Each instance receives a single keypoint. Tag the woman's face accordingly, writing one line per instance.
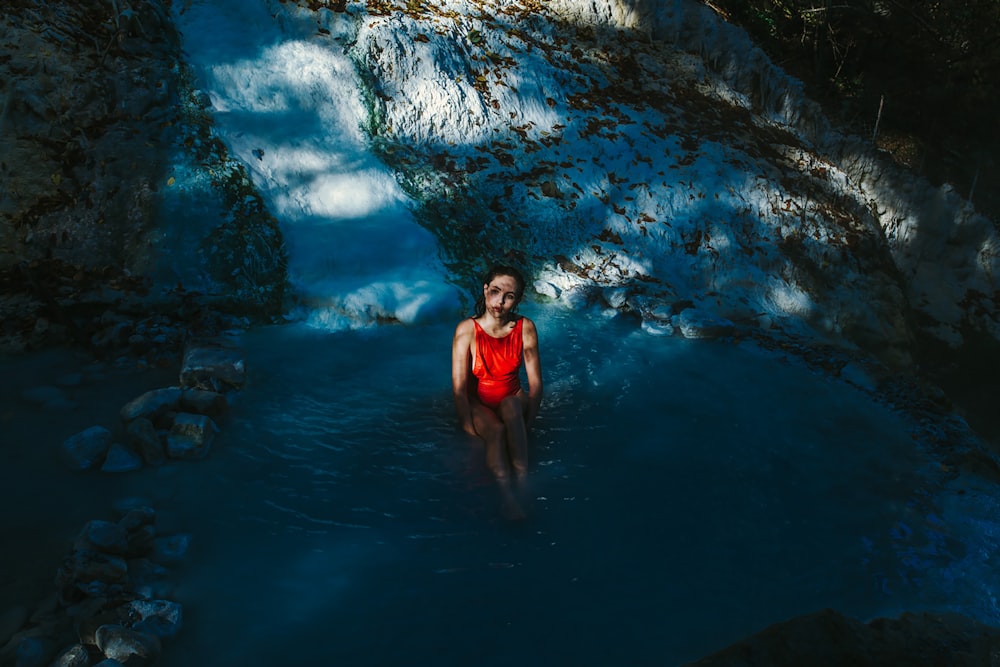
(501, 296)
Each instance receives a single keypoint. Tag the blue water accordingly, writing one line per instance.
(684, 494)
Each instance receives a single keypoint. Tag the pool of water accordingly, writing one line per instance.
(683, 494)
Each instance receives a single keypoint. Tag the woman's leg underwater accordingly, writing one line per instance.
(494, 435)
(492, 431)
(512, 410)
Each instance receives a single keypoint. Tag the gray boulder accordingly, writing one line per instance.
(830, 639)
(191, 436)
(87, 449)
(152, 405)
(103, 536)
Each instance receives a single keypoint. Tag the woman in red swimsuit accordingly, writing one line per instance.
(487, 354)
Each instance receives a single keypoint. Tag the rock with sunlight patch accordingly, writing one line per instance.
(633, 164)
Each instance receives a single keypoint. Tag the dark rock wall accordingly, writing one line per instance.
(88, 90)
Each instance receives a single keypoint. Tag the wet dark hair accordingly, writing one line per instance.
(499, 270)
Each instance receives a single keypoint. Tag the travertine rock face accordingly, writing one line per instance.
(650, 150)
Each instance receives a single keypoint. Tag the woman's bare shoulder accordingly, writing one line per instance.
(464, 328)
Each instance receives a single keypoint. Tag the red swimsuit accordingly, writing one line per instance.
(496, 365)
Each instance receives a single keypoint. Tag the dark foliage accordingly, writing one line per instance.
(932, 67)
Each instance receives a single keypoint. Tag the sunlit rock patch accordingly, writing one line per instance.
(653, 150)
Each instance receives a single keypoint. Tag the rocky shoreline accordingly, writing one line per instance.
(112, 603)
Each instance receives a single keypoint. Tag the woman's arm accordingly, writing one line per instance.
(461, 351)
(533, 367)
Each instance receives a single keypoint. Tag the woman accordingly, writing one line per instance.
(487, 354)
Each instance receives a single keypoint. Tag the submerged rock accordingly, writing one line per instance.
(828, 638)
(171, 549)
(121, 459)
(11, 621)
(50, 398)
(35, 651)
(104, 536)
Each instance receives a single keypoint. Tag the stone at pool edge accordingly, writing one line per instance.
(190, 436)
(158, 404)
(215, 364)
(142, 435)
(152, 404)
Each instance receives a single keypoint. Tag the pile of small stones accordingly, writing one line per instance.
(111, 606)
(176, 422)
